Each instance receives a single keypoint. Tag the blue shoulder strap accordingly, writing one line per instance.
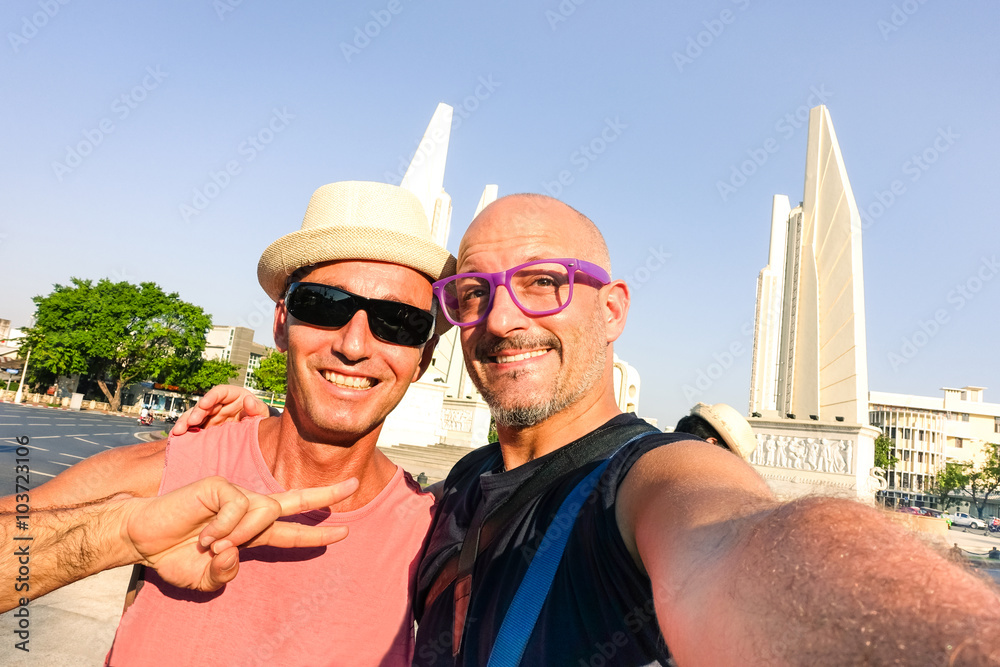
(521, 616)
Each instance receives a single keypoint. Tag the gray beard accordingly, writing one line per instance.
(524, 416)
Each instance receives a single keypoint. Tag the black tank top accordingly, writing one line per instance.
(599, 610)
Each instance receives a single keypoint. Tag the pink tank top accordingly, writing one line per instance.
(345, 604)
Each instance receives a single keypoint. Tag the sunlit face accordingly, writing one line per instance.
(343, 382)
(531, 367)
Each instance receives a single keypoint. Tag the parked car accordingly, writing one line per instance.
(965, 521)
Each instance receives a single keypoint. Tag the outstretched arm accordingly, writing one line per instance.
(739, 578)
(190, 536)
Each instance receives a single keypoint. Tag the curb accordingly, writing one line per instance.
(59, 407)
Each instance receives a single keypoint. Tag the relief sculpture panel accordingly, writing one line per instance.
(812, 454)
(456, 419)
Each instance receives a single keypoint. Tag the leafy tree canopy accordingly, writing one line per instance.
(196, 376)
(952, 478)
(118, 333)
(271, 374)
(983, 480)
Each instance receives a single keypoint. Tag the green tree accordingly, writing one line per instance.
(118, 333)
(271, 375)
(199, 375)
(984, 478)
(884, 458)
(952, 478)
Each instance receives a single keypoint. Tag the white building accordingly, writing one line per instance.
(929, 432)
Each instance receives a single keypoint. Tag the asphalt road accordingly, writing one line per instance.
(57, 439)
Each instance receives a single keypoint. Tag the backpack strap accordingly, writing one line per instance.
(522, 615)
(485, 525)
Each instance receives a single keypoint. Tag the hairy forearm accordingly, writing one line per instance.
(55, 547)
(821, 581)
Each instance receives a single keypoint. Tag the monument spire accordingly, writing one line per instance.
(425, 175)
(810, 354)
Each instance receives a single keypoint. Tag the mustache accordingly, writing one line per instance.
(491, 346)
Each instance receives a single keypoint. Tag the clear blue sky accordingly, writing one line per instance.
(198, 80)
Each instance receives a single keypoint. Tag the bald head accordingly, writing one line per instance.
(557, 229)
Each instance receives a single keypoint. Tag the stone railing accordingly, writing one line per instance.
(51, 401)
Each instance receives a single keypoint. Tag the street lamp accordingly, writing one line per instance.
(20, 387)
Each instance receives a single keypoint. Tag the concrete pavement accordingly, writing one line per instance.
(70, 627)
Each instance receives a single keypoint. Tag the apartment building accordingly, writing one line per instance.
(235, 345)
(930, 431)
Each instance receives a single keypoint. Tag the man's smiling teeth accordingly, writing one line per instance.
(519, 357)
(351, 381)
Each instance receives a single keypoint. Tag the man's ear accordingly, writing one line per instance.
(280, 328)
(616, 303)
(425, 357)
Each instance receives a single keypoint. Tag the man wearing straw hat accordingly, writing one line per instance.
(721, 425)
(354, 311)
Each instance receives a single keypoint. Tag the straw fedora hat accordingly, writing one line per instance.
(361, 221)
(730, 424)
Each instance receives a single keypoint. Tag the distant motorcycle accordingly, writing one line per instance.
(145, 421)
(995, 525)
(171, 418)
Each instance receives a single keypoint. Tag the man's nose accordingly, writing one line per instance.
(355, 338)
(505, 315)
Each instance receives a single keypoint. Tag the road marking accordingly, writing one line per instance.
(89, 442)
(38, 448)
(68, 465)
(43, 474)
(18, 424)
(72, 456)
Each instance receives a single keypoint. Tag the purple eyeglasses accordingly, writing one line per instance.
(542, 287)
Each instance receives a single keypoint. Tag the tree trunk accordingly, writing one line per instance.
(114, 400)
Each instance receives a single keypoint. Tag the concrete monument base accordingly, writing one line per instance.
(805, 457)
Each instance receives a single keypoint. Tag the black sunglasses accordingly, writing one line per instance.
(328, 306)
